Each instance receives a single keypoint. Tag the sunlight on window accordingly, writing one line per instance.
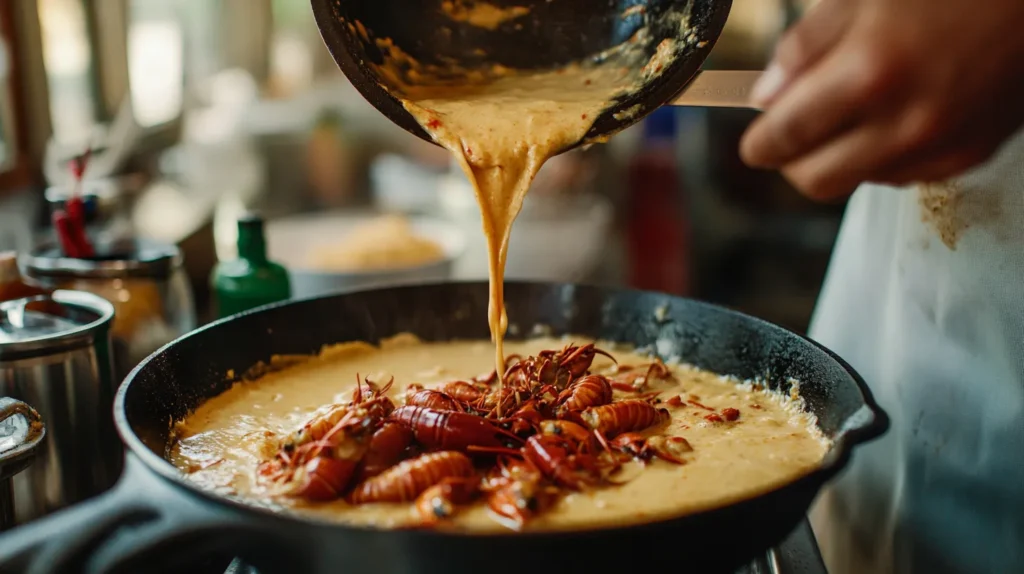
(155, 61)
(68, 60)
(291, 54)
(7, 142)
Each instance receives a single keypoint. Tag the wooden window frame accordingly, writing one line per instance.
(20, 176)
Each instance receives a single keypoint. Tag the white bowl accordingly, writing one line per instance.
(290, 240)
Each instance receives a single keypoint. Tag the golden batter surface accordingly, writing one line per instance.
(771, 442)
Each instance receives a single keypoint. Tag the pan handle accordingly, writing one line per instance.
(144, 520)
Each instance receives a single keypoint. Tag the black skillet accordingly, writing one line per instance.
(554, 33)
(153, 517)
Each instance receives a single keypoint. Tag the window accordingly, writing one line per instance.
(70, 70)
(8, 145)
(155, 61)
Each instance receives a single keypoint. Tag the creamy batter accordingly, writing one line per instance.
(501, 133)
(772, 442)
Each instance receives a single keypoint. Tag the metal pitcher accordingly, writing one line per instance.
(55, 354)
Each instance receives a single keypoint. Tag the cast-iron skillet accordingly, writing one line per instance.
(153, 517)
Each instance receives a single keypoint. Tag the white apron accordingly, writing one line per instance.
(925, 298)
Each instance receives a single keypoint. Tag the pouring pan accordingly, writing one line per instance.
(153, 517)
(549, 34)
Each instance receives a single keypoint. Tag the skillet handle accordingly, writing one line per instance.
(143, 521)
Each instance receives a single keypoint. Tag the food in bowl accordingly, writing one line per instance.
(411, 434)
(386, 242)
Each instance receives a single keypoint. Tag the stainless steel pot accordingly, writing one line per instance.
(55, 355)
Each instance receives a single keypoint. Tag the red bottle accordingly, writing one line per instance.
(658, 226)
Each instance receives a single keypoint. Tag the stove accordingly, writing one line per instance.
(798, 554)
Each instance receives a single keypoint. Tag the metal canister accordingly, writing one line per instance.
(21, 435)
(55, 354)
(146, 283)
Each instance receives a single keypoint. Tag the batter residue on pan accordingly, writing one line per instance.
(583, 442)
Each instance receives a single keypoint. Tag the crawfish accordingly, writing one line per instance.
(408, 479)
(669, 449)
(624, 416)
(561, 461)
(436, 400)
(557, 368)
(588, 391)
(516, 492)
(371, 392)
(634, 382)
(463, 391)
(321, 468)
(444, 430)
(440, 501)
(410, 391)
(524, 421)
(387, 445)
(576, 434)
(338, 421)
(321, 479)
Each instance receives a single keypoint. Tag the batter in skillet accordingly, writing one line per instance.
(767, 442)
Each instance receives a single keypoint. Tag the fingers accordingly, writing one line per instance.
(940, 166)
(821, 104)
(802, 46)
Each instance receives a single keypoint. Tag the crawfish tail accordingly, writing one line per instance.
(436, 400)
(386, 447)
(408, 479)
(461, 391)
(624, 416)
(452, 430)
(588, 391)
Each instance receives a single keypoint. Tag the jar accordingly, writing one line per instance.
(146, 283)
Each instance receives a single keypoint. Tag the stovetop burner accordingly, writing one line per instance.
(798, 554)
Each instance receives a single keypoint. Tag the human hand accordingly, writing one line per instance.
(889, 91)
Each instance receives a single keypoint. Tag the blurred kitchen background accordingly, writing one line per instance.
(201, 110)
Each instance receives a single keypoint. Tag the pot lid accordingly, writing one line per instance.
(47, 324)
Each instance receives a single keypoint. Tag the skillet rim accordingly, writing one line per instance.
(872, 427)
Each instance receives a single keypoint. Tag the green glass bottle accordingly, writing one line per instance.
(251, 280)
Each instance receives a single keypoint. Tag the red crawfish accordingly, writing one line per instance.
(439, 502)
(561, 461)
(444, 430)
(556, 368)
(464, 391)
(588, 391)
(516, 492)
(408, 479)
(669, 449)
(387, 446)
(319, 479)
(637, 381)
(624, 416)
(434, 400)
(367, 390)
(321, 467)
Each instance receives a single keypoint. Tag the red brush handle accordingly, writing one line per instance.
(65, 234)
(75, 208)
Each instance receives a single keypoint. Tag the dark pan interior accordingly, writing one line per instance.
(178, 379)
(552, 34)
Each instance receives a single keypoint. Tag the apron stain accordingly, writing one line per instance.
(950, 210)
